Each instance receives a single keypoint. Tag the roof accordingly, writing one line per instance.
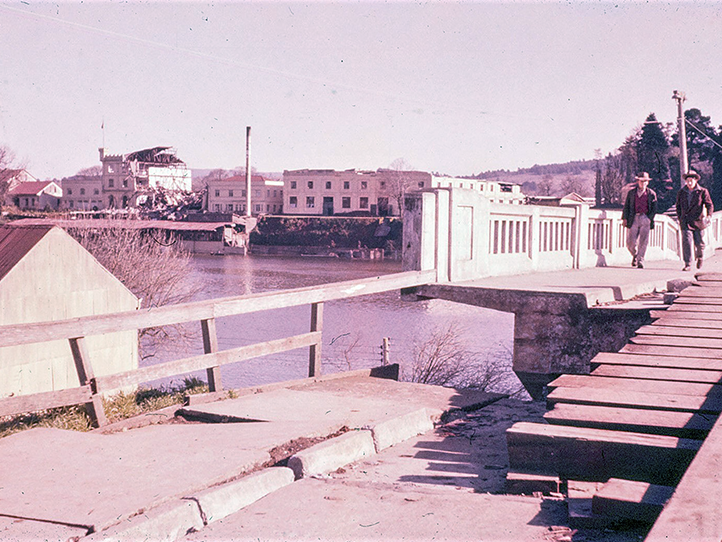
(156, 155)
(32, 188)
(16, 242)
(241, 178)
(7, 174)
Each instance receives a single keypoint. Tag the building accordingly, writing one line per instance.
(82, 193)
(127, 178)
(46, 275)
(13, 177)
(375, 193)
(35, 195)
(229, 195)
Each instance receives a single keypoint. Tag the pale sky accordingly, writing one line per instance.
(451, 87)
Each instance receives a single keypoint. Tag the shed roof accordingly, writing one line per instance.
(16, 242)
(30, 188)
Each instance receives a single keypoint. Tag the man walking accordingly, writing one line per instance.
(693, 201)
(638, 216)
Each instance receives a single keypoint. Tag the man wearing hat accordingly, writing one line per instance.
(693, 201)
(640, 206)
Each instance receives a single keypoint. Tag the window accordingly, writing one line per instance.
(257, 193)
(293, 185)
(125, 183)
(111, 183)
(293, 202)
(230, 193)
(268, 193)
(363, 203)
(229, 207)
(96, 191)
(310, 184)
(217, 207)
(82, 191)
(346, 185)
(218, 193)
(70, 192)
(275, 193)
(364, 185)
(268, 208)
(421, 184)
(346, 203)
(328, 185)
(382, 184)
(243, 193)
(310, 202)
(258, 207)
(70, 204)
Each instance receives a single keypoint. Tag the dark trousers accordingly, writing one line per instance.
(688, 237)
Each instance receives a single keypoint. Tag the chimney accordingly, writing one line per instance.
(101, 151)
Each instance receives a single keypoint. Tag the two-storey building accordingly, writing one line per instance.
(229, 195)
(82, 193)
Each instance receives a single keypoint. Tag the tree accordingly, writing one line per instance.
(6, 159)
(612, 180)
(545, 186)
(574, 183)
(156, 270)
(92, 171)
(653, 152)
(399, 181)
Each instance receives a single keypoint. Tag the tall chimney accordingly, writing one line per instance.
(248, 171)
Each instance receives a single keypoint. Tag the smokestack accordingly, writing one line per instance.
(248, 171)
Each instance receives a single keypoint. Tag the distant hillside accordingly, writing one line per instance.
(551, 179)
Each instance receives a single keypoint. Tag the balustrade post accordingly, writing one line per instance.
(210, 345)
(86, 376)
(314, 351)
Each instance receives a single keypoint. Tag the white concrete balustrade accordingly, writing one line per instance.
(463, 236)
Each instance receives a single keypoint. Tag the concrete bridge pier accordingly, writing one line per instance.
(554, 333)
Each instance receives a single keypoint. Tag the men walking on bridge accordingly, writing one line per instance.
(640, 206)
(692, 203)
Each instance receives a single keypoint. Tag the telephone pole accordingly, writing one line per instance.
(683, 163)
(248, 171)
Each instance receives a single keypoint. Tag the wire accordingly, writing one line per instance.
(701, 132)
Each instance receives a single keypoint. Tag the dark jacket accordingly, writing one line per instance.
(629, 211)
(689, 213)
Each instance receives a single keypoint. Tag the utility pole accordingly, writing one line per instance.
(248, 171)
(683, 163)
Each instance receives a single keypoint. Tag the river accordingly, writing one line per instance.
(353, 329)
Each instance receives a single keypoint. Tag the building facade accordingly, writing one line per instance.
(82, 193)
(126, 178)
(375, 193)
(35, 195)
(229, 195)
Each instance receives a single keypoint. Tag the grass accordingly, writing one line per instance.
(117, 407)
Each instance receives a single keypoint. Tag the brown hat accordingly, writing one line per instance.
(691, 173)
(643, 177)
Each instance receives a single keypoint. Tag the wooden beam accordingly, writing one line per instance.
(657, 422)
(685, 342)
(314, 351)
(211, 308)
(677, 331)
(689, 322)
(653, 401)
(87, 377)
(668, 314)
(678, 351)
(576, 453)
(210, 345)
(625, 499)
(644, 359)
(10, 406)
(196, 363)
(619, 382)
(708, 379)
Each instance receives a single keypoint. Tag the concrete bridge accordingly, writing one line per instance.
(564, 272)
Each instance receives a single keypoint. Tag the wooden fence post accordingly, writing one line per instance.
(87, 377)
(314, 351)
(210, 345)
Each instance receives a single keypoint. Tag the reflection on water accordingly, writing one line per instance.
(353, 329)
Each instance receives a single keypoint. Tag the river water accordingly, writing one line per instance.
(353, 329)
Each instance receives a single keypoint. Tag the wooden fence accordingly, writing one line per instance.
(77, 329)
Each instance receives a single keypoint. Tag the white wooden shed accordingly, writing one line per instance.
(46, 275)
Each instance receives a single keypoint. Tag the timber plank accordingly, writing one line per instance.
(634, 384)
(643, 359)
(576, 453)
(701, 291)
(707, 301)
(686, 342)
(639, 501)
(692, 376)
(677, 351)
(653, 401)
(686, 322)
(693, 307)
(40, 401)
(658, 422)
(678, 331)
(673, 315)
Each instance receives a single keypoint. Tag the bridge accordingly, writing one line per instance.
(563, 271)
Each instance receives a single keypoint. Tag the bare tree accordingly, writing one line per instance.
(156, 270)
(7, 157)
(545, 187)
(92, 171)
(399, 181)
(441, 360)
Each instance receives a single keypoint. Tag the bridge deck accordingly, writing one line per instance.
(642, 415)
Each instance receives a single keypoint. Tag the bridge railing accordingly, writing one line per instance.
(92, 388)
(464, 236)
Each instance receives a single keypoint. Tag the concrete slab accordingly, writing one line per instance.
(328, 510)
(332, 454)
(24, 530)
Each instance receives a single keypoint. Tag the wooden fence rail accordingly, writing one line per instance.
(90, 391)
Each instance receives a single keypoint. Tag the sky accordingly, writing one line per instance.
(450, 87)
